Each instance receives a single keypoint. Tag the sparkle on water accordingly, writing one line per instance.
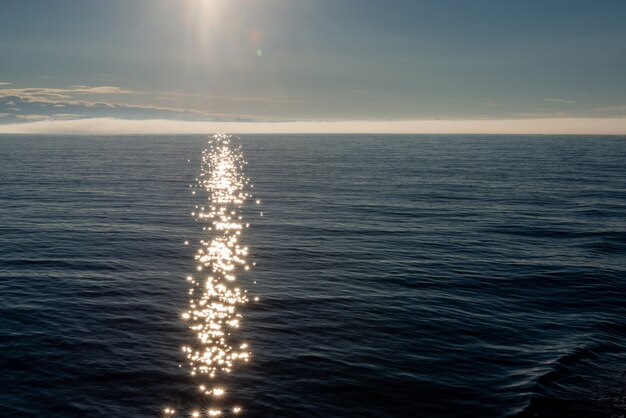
(214, 295)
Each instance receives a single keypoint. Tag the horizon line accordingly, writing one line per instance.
(529, 126)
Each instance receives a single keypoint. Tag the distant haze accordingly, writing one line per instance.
(613, 126)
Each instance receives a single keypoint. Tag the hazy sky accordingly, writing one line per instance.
(292, 60)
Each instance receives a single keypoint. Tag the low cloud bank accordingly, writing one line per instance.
(599, 126)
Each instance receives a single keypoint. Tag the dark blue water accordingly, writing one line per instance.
(398, 276)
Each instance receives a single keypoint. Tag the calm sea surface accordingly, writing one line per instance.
(396, 276)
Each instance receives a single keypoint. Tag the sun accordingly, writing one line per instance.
(204, 20)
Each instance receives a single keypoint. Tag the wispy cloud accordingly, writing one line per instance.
(98, 90)
(94, 102)
(235, 98)
(483, 101)
(56, 95)
(33, 117)
(40, 117)
(79, 96)
(565, 101)
(58, 116)
(4, 83)
(611, 110)
(542, 113)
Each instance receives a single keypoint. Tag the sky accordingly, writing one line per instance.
(313, 65)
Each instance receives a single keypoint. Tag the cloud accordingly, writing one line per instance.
(603, 126)
(542, 114)
(33, 117)
(611, 110)
(95, 102)
(236, 98)
(565, 101)
(4, 83)
(75, 96)
(98, 90)
(99, 109)
(57, 95)
(65, 116)
(110, 101)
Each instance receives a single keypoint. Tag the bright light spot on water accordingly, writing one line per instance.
(215, 298)
(236, 410)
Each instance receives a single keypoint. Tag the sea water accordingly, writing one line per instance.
(387, 276)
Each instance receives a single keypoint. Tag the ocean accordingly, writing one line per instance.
(389, 276)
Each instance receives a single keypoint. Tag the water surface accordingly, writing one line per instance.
(397, 276)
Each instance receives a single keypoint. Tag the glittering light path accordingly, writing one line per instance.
(215, 298)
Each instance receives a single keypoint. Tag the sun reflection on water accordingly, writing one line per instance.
(213, 313)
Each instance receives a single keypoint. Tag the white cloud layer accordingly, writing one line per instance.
(58, 95)
(599, 126)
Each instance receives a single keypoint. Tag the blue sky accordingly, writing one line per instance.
(311, 60)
